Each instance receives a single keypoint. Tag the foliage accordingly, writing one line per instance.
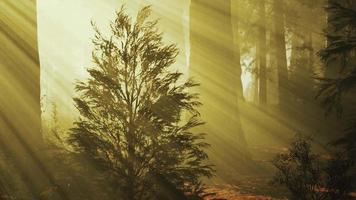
(341, 45)
(131, 112)
(299, 170)
(307, 177)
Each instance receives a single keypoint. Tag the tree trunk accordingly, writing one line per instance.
(262, 53)
(20, 113)
(280, 52)
(212, 64)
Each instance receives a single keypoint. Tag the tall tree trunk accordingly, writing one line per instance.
(280, 52)
(212, 64)
(20, 113)
(262, 53)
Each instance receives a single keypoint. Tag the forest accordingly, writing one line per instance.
(177, 99)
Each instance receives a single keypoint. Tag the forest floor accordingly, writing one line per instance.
(268, 133)
(233, 192)
(247, 184)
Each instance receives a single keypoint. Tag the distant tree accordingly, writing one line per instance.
(213, 64)
(280, 55)
(131, 111)
(235, 15)
(262, 53)
(307, 176)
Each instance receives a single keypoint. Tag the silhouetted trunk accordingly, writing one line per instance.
(212, 64)
(20, 113)
(262, 53)
(280, 52)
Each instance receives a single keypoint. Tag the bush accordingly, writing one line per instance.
(307, 176)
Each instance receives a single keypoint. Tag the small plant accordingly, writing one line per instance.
(299, 170)
(308, 177)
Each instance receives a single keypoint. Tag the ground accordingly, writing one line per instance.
(232, 192)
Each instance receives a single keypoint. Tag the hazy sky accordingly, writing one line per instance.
(65, 34)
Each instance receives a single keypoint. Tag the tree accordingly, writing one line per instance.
(131, 108)
(212, 64)
(305, 38)
(280, 51)
(235, 12)
(22, 51)
(20, 113)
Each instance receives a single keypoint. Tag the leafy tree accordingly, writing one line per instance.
(131, 110)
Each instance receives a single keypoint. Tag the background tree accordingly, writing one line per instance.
(212, 63)
(235, 19)
(280, 56)
(262, 53)
(131, 108)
